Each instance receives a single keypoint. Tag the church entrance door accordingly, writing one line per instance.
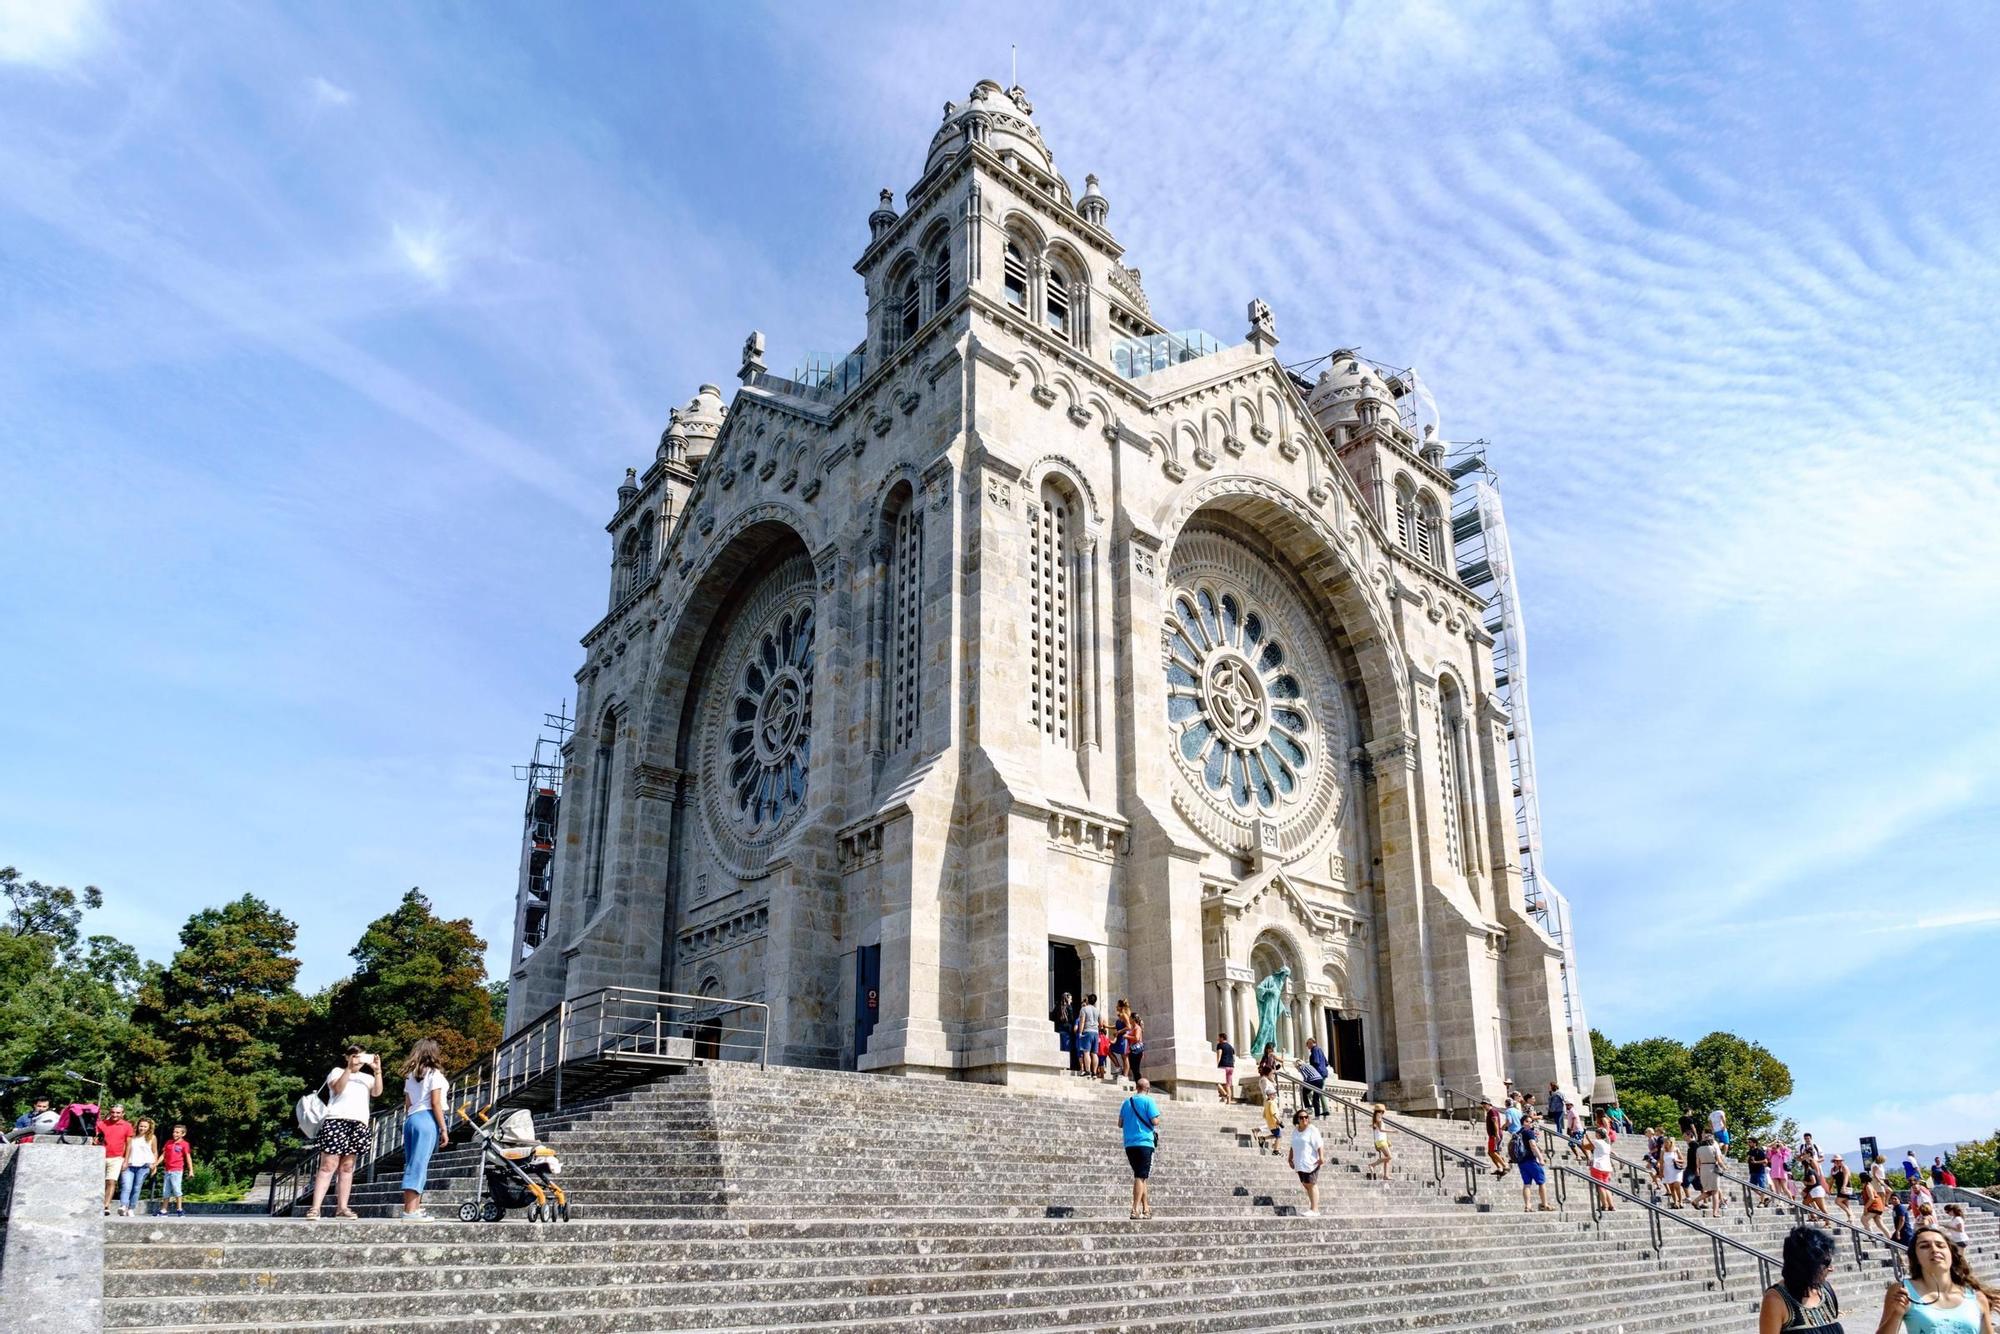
(1348, 1058)
(867, 994)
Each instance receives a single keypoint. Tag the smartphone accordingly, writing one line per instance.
(1896, 1258)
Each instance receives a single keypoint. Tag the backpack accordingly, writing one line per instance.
(1517, 1149)
(309, 1111)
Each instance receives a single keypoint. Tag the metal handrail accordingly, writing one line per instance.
(617, 1021)
(1656, 1217)
(1962, 1195)
(1800, 1211)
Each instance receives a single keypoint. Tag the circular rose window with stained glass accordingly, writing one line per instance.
(768, 745)
(1241, 726)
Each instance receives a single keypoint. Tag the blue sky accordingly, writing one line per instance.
(326, 333)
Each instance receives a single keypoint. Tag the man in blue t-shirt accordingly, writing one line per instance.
(1139, 1118)
(1525, 1149)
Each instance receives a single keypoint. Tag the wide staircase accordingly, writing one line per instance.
(729, 1197)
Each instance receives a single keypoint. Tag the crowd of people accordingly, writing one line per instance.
(1099, 1046)
(1937, 1293)
(133, 1150)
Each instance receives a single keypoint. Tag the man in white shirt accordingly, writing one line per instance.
(1308, 1152)
(1718, 1125)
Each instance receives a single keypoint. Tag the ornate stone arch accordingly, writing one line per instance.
(689, 621)
(1066, 469)
(1329, 563)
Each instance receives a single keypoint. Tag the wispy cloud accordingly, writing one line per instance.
(1722, 302)
(52, 34)
(324, 92)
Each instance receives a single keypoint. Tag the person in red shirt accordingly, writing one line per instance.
(114, 1132)
(176, 1159)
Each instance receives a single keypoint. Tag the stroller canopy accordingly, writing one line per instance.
(78, 1116)
(516, 1127)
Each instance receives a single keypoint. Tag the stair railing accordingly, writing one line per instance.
(1801, 1213)
(1720, 1245)
(612, 1023)
(1970, 1198)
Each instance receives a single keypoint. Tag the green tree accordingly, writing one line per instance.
(49, 912)
(497, 989)
(417, 976)
(216, 1025)
(1722, 1070)
(1977, 1164)
(65, 1001)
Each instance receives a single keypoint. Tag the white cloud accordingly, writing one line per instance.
(326, 93)
(427, 250)
(53, 34)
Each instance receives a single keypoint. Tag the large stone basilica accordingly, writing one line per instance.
(1036, 647)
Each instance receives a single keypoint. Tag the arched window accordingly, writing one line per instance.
(1406, 518)
(940, 275)
(1451, 773)
(1014, 276)
(902, 627)
(1051, 527)
(1055, 305)
(644, 566)
(1431, 544)
(910, 310)
(625, 576)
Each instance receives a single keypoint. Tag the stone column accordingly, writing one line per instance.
(1412, 994)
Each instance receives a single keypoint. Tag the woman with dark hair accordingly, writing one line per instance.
(1940, 1296)
(425, 1123)
(1802, 1299)
(343, 1134)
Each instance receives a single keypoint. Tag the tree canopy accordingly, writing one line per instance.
(215, 1026)
(417, 976)
(220, 1037)
(1660, 1078)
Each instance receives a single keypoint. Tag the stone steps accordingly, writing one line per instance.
(731, 1198)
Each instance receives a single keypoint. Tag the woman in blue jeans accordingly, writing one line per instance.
(424, 1122)
(142, 1151)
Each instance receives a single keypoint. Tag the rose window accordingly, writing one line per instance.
(1240, 722)
(768, 742)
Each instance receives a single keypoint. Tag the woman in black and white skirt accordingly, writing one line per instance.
(344, 1132)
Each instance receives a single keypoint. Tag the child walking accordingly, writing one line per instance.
(1380, 1166)
(176, 1161)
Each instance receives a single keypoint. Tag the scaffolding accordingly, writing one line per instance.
(1485, 564)
(543, 773)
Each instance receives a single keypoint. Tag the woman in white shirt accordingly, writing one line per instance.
(141, 1152)
(1599, 1148)
(425, 1122)
(343, 1133)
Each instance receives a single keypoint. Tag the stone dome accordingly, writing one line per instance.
(1009, 123)
(1343, 386)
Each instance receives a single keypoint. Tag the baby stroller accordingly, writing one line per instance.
(515, 1171)
(77, 1124)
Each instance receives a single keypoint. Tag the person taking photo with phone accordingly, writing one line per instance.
(343, 1134)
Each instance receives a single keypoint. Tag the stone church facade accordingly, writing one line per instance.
(1036, 647)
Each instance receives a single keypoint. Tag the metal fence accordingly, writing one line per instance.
(609, 1026)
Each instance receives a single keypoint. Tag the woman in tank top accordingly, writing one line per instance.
(1940, 1296)
(1802, 1299)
